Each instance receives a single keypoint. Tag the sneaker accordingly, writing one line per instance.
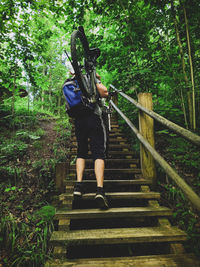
(101, 199)
(78, 190)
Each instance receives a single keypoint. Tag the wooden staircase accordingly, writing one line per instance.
(135, 231)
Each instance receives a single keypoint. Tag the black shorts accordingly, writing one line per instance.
(90, 130)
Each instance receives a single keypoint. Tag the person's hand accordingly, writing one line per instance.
(114, 93)
(98, 76)
(111, 94)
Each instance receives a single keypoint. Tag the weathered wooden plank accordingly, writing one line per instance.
(112, 212)
(112, 139)
(118, 195)
(113, 181)
(132, 160)
(59, 252)
(118, 171)
(64, 224)
(132, 166)
(62, 168)
(114, 131)
(119, 236)
(182, 260)
(113, 152)
(146, 128)
(111, 146)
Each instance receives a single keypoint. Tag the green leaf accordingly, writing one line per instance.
(34, 137)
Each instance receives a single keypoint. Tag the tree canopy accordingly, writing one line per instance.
(146, 46)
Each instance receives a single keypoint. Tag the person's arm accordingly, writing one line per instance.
(102, 90)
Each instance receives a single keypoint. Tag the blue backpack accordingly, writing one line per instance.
(76, 104)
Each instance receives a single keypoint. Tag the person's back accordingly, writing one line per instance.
(90, 126)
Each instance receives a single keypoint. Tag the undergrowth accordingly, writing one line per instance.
(184, 158)
(27, 185)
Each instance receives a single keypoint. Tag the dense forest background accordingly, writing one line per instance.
(146, 46)
(149, 45)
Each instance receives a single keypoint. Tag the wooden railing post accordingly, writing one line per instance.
(115, 101)
(146, 128)
(62, 168)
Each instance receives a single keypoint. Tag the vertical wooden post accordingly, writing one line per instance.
(146, 128)
(115, 101)
(62, 168)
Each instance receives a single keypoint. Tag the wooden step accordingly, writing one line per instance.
(117, 161)
(118, 236)
(114, 126)
(112, 213)
(113, 131)
(111, 146)
(168, 260)
(108, 171)
(131, 153)
(73, 166)
(121, 146)
(113, 182)
(112, 139)
(112, 162)
(117, 195)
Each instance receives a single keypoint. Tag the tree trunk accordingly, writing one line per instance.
(42, 99)
(14, 92)
(182, 60)
(50, 102)
(184, 109)
(179, 89)
(59, 104)
(42, 92)
(191, 71)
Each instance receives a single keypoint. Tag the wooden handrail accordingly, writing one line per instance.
(193, 138)
(191, 195)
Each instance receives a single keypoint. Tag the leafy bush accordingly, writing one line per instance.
(28, 242)
(185, 157)
(21, 119)
(11, 174)
(27, 136)
(12, 150)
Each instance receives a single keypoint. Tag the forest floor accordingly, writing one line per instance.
(29, 189)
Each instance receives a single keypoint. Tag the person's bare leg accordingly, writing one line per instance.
(80, 167)
(99, 171)
(100, 197)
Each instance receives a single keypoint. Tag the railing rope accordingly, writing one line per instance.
(191, 195)
(193, 138)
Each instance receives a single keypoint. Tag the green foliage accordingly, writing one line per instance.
(10, 151)
(187, 219)
(27, 244)
(23, 117)
(27, 185)
(63, 128)
(46, 214)
(185, 158)
(10, 173)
